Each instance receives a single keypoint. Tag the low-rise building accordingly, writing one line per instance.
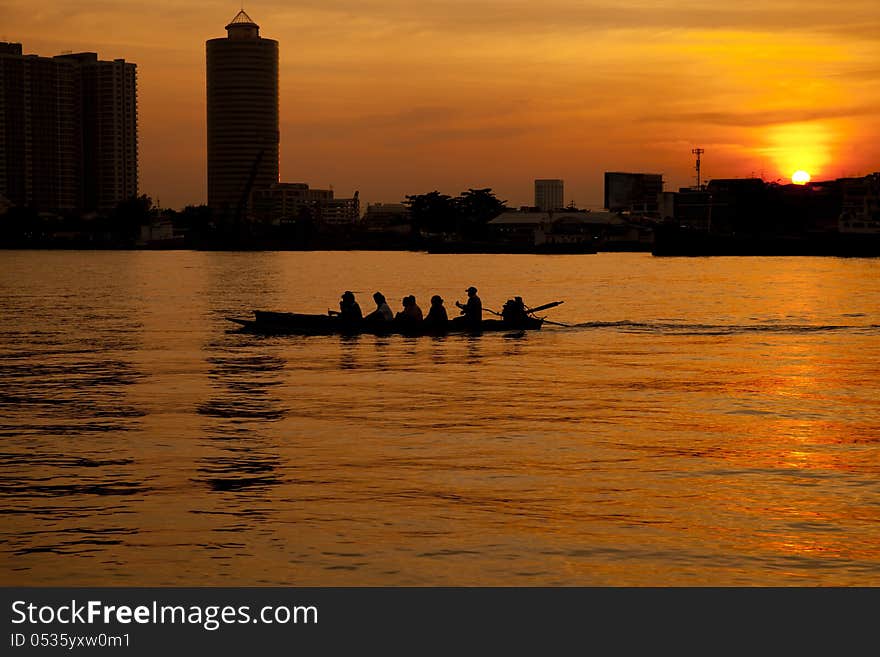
(387, 217)
(286, 202)
(340, 211)
(633, 192)
(159, 234)
(547, 228)
(687, 207)
(861, 205)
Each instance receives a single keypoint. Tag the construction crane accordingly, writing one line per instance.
(246, 192)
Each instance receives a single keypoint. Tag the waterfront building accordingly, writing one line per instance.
(813, 207)
(341, 211)
(633, 192)
(286, 202)
(388, 217)
(549, 194)
(109, 118)
(688, 207)
(860, 205)
(242, 116)
(39, 146)
(68, 131)
(744, 205)
(561, 227)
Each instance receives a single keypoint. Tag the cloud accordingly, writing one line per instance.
(860, 74)
(763, 118)
(415, 115)
(854, 18)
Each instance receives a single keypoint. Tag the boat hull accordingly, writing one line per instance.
(301, 324)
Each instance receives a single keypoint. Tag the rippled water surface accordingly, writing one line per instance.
(702, 421)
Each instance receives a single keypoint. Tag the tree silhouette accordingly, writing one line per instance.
(465, 216)
(476, 208)
(132, 213)
(432, 213)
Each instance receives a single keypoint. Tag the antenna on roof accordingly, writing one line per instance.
(698, 152)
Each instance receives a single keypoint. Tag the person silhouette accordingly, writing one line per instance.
(437, 317)
(411, 311)
(349, 310)
(383, 311)
(472, 311)
(514, 311)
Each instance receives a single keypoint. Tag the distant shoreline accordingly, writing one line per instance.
(719, 251)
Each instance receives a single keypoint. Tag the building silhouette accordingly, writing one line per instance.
(110, 137)
(243, 125)
(549, 194)
(282, 203)
(68, 131)
(633, 192)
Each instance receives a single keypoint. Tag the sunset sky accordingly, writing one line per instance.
(394, 97)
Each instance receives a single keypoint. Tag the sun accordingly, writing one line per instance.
(800, 177)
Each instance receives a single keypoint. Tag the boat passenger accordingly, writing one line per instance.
(472, 311)
(411, 311)
(514, 311)
(401, 315)
(383, 311)
(349, 310)
(437, 316)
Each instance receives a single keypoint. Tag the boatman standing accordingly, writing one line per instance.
(472, 311)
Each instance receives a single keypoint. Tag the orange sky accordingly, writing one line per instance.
(391, 97)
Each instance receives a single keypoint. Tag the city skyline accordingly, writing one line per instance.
(392, 100)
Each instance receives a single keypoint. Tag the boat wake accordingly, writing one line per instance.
(626, 326)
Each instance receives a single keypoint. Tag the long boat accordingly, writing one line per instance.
(302, 324)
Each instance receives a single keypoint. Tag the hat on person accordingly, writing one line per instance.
(472, 289)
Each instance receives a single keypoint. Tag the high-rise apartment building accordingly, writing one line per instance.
(40, 137)
(549, 194)
(243, 124)
(68, 131)
(109, 119)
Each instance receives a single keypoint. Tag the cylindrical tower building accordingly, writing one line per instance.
(243, 133)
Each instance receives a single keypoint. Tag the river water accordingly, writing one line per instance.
(701, 422)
